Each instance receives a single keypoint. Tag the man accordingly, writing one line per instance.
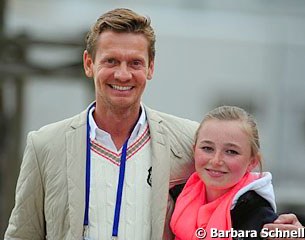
(107, 171)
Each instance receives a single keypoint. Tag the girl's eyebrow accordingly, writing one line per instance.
(232, 145)
(206, 141)
(229, 144)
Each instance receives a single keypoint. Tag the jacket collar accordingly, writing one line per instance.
(76, 165)
(160, 172)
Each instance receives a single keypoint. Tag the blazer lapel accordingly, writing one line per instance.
(76, 161)
(160, 174)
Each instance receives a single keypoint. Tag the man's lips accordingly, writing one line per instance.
(120, 88)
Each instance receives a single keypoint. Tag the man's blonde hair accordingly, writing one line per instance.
(121, 20)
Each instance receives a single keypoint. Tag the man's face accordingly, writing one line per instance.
(120, 69)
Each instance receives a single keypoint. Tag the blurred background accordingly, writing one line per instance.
(209, 53)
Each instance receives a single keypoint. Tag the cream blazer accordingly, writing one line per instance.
(50, 192)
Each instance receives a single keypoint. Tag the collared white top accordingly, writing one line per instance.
(104, 137)
(135, 216)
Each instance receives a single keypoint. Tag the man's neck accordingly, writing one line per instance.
(119, 124)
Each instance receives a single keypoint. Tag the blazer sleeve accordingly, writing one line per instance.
(251, 213)
(27, 217)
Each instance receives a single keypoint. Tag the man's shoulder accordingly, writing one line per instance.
(170, 120)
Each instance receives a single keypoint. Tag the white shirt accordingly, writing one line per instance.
(104, 137)
(135, 217)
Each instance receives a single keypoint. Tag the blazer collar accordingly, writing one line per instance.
(160, 173)
(76, 165)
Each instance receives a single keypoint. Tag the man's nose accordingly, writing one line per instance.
(122, 73)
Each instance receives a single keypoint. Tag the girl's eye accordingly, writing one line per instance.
(232, 152)
(207, 149)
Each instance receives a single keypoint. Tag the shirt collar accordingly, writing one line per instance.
(97, 133)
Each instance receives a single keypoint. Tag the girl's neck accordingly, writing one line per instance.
(212, 194)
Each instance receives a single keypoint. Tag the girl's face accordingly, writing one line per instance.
(222, 155)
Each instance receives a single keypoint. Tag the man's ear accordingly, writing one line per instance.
(88, 64)
(151, 69)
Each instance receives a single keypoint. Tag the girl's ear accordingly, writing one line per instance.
(194, 145)
(254, 162)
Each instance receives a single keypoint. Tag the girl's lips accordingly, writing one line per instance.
(215, 173)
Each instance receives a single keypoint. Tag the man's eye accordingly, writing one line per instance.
(136, 63)
(111, 61)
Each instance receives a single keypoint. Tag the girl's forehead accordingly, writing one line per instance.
(216, 123)
(229, 129)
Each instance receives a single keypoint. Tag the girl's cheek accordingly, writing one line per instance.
(200, 160)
